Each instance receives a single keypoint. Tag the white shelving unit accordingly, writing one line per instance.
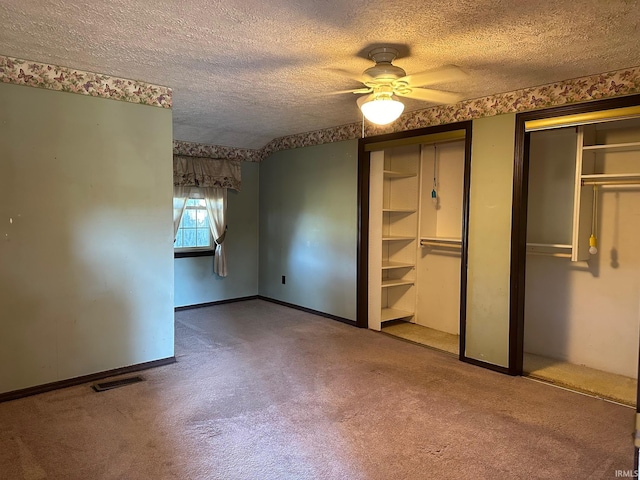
(564, 165)
(393, 227)
(606, 154)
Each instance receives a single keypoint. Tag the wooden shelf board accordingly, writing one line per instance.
(399, 210)
(550, 249)
(390, 265)
(397, 238)
(554, 246)
(396, 282)
(457, 241)
(394, 314)
(394, 174)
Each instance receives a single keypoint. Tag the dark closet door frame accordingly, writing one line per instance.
(519, 214)
(364, 164)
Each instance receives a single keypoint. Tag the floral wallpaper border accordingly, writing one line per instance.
(52, 77)
(584, 89)
(216, 151)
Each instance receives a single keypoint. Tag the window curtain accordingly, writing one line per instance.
(206, 172)
(180, 197)
(211, 177)
(216, 202)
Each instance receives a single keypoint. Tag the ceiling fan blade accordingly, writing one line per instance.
(429, 95)
(357, 91)
(449, 73)
(339, 92)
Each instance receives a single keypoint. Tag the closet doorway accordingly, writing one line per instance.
(416, 225)
(579, 311)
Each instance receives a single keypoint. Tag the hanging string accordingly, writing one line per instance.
(593, 239)
(595, 209)
(435, 159)
(363, 125)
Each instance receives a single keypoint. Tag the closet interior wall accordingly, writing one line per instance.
(438, 268)
(585, 312)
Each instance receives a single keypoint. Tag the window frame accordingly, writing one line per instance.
(184, 252)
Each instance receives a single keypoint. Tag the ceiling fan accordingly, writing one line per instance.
(384, 81)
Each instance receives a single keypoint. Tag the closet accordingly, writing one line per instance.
(415, 240)
(582, 286)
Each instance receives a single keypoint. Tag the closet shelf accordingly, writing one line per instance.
(443, 239)
(550, 249)
(614, 146)
(396, 282)
(391, 265)
(395, 174)
(611, 176)
(399, 210)
(556, 246)
(396, 238)
(394, 314)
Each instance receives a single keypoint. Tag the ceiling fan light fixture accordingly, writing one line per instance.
(382, 110)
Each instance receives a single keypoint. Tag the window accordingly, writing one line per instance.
(194, 232)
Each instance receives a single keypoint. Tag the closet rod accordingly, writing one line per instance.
(612, 182)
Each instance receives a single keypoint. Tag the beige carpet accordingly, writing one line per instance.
(264, 392)
(424, 336)
(583, 379)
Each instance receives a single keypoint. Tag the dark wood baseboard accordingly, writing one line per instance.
(211, 304)
(309, 310)
(71, 382)
(489, 366)
(197, 253)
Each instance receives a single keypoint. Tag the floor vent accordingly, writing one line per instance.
(101, 387)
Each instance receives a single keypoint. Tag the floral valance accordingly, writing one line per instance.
(206, 172)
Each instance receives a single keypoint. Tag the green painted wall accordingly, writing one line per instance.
(195, 281)
(489, 261)
(308, 227)
(86, 254)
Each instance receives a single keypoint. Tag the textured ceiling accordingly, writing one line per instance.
(246, 71)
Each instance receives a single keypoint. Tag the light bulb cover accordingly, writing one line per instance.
(382, 110)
